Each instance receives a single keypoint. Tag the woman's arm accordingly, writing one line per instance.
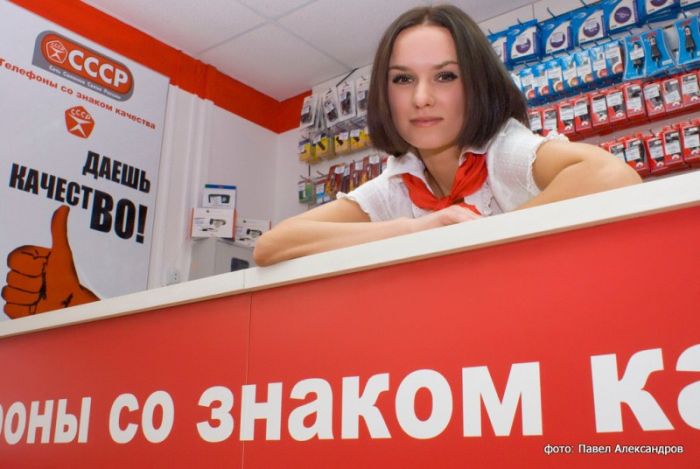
(563, 170)
(340, 224)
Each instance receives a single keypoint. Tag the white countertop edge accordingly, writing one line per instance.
(188, 292)
(656, 196)
(595, 209)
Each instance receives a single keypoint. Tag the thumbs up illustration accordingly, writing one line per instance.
(44, 279)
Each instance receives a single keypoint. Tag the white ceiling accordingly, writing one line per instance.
(279, 47)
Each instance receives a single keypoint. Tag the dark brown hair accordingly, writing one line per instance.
(491, 96)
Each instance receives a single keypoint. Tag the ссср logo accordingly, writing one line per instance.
(80, 64)
(79, 122)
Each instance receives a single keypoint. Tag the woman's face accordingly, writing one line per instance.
(425, 91)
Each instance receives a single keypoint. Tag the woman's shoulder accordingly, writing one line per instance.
(512, 128)
(516, 139)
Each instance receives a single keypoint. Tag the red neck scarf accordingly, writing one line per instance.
(469, 178)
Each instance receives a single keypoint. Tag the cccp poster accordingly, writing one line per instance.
(80, 130)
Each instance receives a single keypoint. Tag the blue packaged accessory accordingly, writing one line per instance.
(523, 42)
(555, 76)
(516, 79)
(601, 68)
(541, 81)
(658, 10)
(688, 4)
(556, 35)
(688, 40)
(569, 72)
(620, 15)
(498, 42)
(527, 83)
(587, 24)
(584, 67)
(659, 59)
(635, 58)
(613, 53)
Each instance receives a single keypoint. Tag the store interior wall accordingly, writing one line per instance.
(207, 144)
(264, 165)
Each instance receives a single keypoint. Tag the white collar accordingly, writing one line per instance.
(411, 164)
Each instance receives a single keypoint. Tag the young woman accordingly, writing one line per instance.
(444, 106)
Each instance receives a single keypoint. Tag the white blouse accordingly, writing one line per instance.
(509, 158)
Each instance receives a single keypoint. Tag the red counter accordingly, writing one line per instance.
(567, 334)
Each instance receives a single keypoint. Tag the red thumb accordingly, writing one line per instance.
(60, 249)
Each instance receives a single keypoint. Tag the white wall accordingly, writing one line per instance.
(244, 154)
(183, 166)
(288, 170)
(202, 144)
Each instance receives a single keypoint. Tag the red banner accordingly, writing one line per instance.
(580, 349)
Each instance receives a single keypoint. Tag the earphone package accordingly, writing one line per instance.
(601, 67)
(499, 43)
(635, 58)
(556, 35)
(555, 76)
(523, 42)
(334, 182)
(346, 100)
(689, 4)
(615, 103)
(362, 94)
(659, 10)
(565, 117)
(322, 146)
(613, 54)
(690, 142)
(588, 25)
(653, 99)
(305, 150)
(341, 142)
(599, 109)
(359, 138)
(569, 72)
(542, 87)
(331, 107)
(582, 114)
(308, 112)
(659, 59)
(534, 116)
(671, 94)
(584, 67)
(634, 104)
(549, 119)
(620, 15)
(305, 191)
(527, 83)
(654, 147)
(690, 89)
(636, 154)
(688, 31)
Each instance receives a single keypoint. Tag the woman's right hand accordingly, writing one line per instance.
(447, 216)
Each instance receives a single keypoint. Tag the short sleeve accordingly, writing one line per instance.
(509, 161)
(372, 197)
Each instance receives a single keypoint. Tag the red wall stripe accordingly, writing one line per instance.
(184, 71)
